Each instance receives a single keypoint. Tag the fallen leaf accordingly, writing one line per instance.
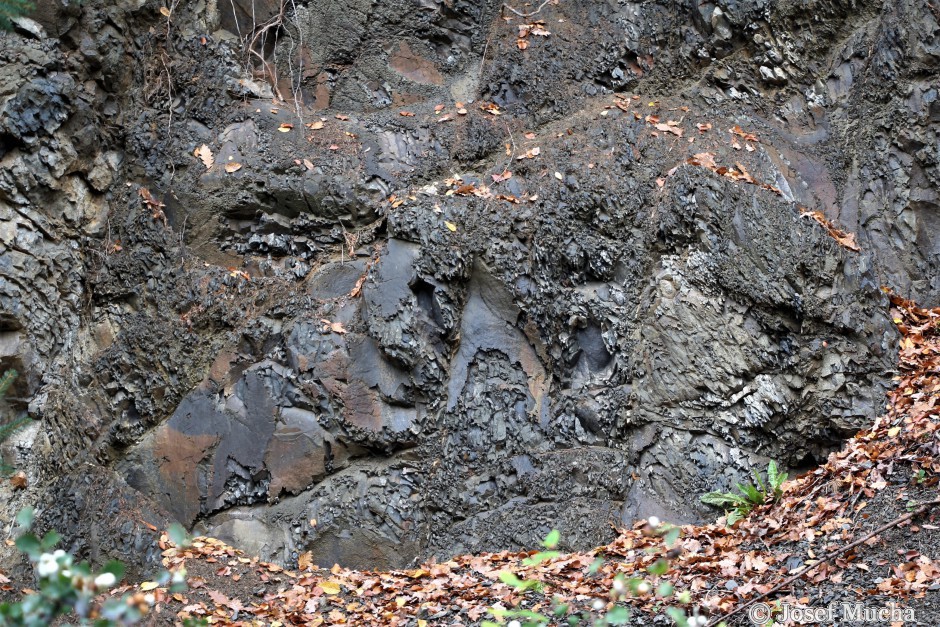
(164, 12)
(335, 327)
(305, 560)
(205, 155)
(233, 166)
(531, 153)
(18, 481)
(505, 176)
(316, 126)
(340, 116)
(669, 128)
(149, 585)
(330, 587)
(450, 226)
(704, 127)
(406, 114)
(285, 127)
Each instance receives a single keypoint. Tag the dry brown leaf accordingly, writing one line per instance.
(205, 155)
(285, 127)
(335, 327)
(305, 560)
(18, 481)
(669, 128)
(505, 176)
(233, 166)
(316, 126)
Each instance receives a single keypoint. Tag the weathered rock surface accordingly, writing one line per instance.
(350, 333)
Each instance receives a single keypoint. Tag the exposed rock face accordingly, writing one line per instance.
(351, 315)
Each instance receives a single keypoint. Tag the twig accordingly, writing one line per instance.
(805, 569)
(520, 14)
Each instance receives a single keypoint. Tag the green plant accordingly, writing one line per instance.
(602, 612)
(10, 9)
(8, 429)
(749, 495)
(66, 587)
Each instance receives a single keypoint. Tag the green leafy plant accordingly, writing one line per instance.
(65, 587)
(11, 9)
(8, 429)
(749, 495)
(603, 612)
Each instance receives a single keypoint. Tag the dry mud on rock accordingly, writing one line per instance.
(436, 277)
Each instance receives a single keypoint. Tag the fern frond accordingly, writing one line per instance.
(9, 376)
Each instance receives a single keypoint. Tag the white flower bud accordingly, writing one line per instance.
(643, 587)
(47, 565)
(513, 623)
(619, 586)
(149, 599)
(105, 580)
(653, 521)
(598, 604)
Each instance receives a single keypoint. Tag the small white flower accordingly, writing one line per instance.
(598, 604)
(105, 580)
(58, 553)
(619, 585)
(179, 576)
(48, 565)
(643, 587)
(513, 623)
(696, 621)
(150, 599)
(653, 521)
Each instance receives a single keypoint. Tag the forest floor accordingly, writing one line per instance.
(859, 532)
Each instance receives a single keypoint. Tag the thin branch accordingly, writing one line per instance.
(805, 569)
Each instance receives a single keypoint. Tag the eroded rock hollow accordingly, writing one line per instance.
(388, 280)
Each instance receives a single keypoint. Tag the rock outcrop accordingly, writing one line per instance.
(439, 278)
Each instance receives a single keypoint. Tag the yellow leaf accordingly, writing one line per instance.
(893, 431)
(330, 587)
(450, 226)
(898, 321)
(422, 623)
(165, 12)
(400, 601)
(232, 166)
(149, 585)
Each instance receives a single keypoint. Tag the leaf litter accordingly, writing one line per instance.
(894, 462)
